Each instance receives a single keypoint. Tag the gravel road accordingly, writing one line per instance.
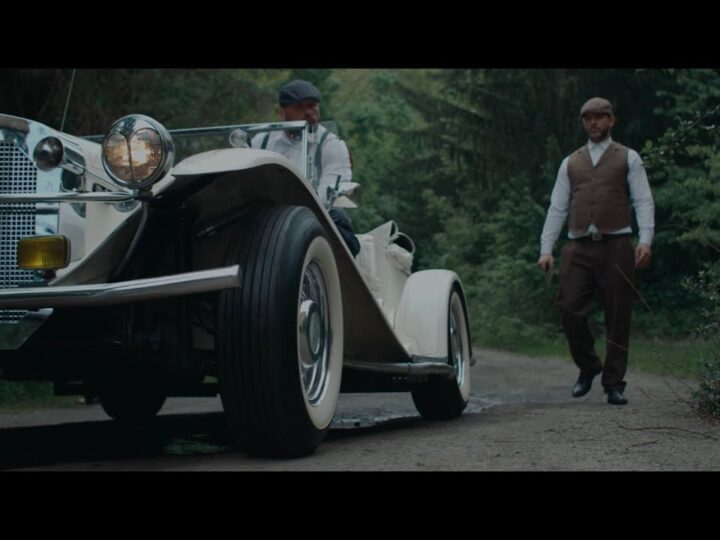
(520, 418)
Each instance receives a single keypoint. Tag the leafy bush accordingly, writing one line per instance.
(707, 397)
(707, 286)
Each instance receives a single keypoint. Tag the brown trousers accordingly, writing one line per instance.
(606, 268)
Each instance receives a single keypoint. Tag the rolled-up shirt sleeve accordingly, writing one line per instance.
(335, 162)
(557, 212)
(641, 197)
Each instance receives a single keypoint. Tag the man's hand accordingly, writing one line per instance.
(545, 262)
(642, 256)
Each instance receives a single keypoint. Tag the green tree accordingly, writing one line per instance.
(683, 167)
(175, 97)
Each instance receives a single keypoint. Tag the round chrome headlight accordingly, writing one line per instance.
(48, 153)
(137, 151)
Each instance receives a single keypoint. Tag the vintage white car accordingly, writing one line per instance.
(128, 276)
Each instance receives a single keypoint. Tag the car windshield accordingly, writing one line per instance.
(192, 141)
(299, 141)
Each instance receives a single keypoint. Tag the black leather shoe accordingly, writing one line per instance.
(584, 383)
(615, 397)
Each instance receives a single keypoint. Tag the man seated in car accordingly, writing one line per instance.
(300, 100)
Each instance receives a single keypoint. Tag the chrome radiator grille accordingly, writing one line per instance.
(17, 175)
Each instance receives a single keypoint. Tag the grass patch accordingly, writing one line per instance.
(16, 396)
(663, 357)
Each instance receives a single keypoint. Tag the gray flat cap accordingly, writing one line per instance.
(297, 91)
(597, 105)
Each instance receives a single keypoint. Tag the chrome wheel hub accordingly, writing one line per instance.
(456, 352)
(313, 333)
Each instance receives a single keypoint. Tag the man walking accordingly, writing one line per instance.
(596, 185)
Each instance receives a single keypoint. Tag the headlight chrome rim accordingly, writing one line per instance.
(131, 129)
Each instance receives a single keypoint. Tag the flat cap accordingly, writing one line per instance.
(297, 91)
(597, 105)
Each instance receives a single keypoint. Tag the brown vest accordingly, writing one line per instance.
(599, 194)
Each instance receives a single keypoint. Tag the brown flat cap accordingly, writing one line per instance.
(597, 105)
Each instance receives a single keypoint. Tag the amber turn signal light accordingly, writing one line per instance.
(43, 252)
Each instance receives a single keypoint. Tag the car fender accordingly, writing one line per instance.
(230, 180)
(421, 318)
(227, 160)
(215, 182)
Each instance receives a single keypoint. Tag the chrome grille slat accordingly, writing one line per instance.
(18, 174)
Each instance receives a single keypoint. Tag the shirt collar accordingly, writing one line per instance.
(603, 145)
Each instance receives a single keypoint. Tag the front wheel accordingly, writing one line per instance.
(133, 401)
(441, 398)
(279, 336)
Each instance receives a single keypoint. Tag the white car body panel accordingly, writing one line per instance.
(422, 313)
(229, 159)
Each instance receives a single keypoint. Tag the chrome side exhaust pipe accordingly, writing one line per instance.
(403, 369)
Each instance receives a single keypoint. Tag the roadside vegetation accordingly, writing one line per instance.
(681, 359)
(16, 396)
(707, 396)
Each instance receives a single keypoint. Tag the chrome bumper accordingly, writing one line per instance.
(108, 196)
(122, 292)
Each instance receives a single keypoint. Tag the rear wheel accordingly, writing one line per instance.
(441, 398)
(279, 337)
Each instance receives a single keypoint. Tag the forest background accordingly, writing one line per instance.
(464, 160)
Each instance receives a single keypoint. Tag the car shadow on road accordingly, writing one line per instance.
(185, 434)
(166, 435)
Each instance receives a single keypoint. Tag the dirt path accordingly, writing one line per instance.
(537, 425)
(521, 417)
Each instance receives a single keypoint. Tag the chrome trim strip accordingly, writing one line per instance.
(108, 294)
(249, 128)
(223, 130)
(405, 369)
(96, 196)
(73, 159)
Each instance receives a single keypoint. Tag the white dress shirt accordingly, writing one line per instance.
(640, 196)
(335, 156)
